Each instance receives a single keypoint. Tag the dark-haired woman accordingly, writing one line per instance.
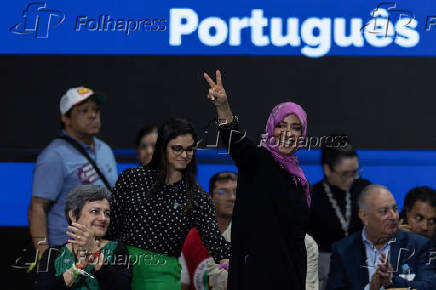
(334, 212)
(271, 211)
(145, 143)
(154, 207)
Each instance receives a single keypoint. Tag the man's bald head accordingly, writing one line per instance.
(367, 193)
(379, 213)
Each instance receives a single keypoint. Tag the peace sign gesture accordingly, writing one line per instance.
(217, 93)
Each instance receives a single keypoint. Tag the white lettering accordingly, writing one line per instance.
(315, 35)
(317, 45)
(291, 37)
(236, 25)
(258, 22)
(379, 31)
(355, 38)
(220, 31)
(407, 36)
(178, 28)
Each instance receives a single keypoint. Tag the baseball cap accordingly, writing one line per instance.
(75, 96)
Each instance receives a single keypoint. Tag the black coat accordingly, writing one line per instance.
(325, 227)
(269, 221)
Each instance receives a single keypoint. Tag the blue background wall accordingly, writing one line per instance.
(398, 170)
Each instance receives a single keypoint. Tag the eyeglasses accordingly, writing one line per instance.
(350, 173)
(226, 191)
(178, 150)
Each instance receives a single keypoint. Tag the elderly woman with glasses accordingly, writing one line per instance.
(88, 260)
(334, 212)
(154, 207)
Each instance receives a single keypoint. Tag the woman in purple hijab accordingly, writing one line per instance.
(271, 211)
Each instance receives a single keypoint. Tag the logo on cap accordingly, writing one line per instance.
(83, 91)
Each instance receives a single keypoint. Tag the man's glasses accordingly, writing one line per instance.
(178, 150)
(350, 173)
(223, 191)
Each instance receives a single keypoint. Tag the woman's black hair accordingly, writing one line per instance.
(333, 152)
(168, 131)
(144, 131)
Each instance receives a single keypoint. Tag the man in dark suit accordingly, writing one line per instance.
(381, 255)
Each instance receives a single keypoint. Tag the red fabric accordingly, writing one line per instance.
(194, 252)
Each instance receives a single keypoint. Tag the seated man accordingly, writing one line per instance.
(419, 212)
(381, 255)
(198, 268)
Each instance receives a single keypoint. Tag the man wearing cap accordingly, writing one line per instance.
(60, 167)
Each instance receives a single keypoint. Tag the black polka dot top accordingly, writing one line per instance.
(158, 222)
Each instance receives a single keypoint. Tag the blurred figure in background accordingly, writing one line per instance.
(334, 212)
(419, 212)
(145, 142)
(76, 157)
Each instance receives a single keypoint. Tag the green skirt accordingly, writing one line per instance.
(153, 271)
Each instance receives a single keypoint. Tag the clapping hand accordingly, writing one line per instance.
(83, 239)
(383, 275)
(385, 270)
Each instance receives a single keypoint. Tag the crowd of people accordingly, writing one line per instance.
(263, 227)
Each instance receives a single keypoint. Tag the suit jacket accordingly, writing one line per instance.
(349, 257)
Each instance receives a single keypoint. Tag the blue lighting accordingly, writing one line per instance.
(398, 170)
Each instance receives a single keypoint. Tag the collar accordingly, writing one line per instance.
(371, 245)
(87, 147)
(334, 189)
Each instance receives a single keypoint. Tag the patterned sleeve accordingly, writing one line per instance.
(205, 221)
(119, 192)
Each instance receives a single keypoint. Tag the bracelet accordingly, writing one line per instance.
(77, 267)
(73, 273)
(33, 265)
(233, 122)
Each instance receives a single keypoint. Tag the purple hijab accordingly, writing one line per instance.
(288, 162)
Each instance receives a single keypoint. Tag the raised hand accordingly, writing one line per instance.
(384, 271)
(83, 238)
(217, 93)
